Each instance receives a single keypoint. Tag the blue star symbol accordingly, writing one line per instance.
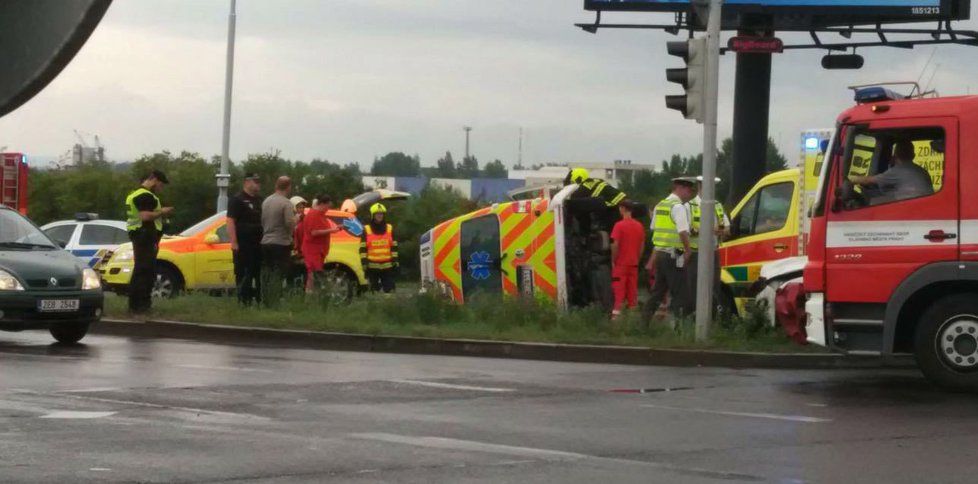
(479, 263)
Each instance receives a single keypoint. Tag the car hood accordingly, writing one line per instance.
(39, 264)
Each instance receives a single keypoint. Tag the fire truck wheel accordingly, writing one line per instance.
(946, 342)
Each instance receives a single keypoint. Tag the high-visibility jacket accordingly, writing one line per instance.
(378, 251)
(133, 222)
(694, 207)
(665, 234)
(601, 189)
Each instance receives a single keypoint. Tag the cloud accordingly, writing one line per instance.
(349, 80)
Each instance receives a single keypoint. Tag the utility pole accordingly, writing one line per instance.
(519, 153)
(707, 237)
(467, 129)
(224, 177)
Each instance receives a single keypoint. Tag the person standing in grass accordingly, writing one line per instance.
(378, 251)
(316, 230)
(627, 244)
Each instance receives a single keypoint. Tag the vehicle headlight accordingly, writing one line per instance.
(122, 256)
(9, 283)
(90, 280)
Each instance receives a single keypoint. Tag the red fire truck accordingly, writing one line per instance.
(893, 264)
(13, 181)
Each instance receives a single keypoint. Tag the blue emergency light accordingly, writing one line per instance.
(876, 94)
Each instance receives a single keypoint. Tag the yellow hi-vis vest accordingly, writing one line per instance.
(601, 189)
(379, 253)
(694, 225)
(133, 222)
(665, 234)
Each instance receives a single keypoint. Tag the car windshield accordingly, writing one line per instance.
(200, 226)
(16, 232)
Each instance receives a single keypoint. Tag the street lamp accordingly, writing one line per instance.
(224, 177)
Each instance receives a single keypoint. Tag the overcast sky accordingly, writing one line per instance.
(349, 80)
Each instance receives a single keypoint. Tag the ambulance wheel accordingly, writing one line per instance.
(946, 342)
(168, 283)
(338, 284)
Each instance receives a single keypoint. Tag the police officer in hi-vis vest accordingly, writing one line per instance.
(672, 252)
(144, 221)
(721, 231)
(378, 250)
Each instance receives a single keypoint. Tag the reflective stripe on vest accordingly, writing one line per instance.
(597, 187)
(379, 254)
(664, 233)
(133, 222)
(695, 223)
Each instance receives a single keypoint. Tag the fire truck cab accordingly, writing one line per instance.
(892, 270)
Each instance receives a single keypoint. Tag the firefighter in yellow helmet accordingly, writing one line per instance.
(378, 250)
(594, 187)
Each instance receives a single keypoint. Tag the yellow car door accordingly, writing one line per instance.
(215, 264)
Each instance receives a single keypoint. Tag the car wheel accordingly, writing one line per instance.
(338, 285)
(69, 333)
(167, 285)
(946, 342)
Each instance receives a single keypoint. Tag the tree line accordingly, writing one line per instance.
(101, 187)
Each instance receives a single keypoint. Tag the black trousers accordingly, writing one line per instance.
(247, 271)
(668, 279)
(145, 247)
(381, 279)
(276, 263)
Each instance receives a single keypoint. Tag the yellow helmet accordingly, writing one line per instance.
(377, 208)
(579, 174)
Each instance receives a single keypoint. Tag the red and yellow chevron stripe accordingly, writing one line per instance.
(526, 235)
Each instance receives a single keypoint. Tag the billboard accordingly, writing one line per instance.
(806, 13)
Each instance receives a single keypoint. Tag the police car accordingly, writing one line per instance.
(87, 237)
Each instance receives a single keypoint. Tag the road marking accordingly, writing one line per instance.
(454, 387)
(469, 445)
(100, 469)
(92, 390)
(217, 413)
(224, 368)
(546, 454)
(772, 416)
(72, 414)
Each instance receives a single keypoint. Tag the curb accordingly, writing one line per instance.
(625, 355)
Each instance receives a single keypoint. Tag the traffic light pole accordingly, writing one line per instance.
(707, 239)
(752, 99)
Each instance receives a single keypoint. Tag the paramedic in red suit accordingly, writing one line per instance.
(627, 244)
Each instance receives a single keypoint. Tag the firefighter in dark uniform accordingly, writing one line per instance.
(144, 221)
(595, 187)
(378, 250)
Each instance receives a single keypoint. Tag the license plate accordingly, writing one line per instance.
(57, 305)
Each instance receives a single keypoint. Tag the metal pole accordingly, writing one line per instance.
(707, 239)
(223, 178)
(467, 130)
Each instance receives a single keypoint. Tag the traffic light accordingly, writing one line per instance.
(692, 77)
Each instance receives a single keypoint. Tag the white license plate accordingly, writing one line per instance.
(57, 305)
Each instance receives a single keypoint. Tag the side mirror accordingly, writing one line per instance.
(212, 239)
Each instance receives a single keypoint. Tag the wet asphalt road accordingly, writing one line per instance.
(156, 410)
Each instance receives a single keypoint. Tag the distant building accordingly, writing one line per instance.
(614, 173)
(479, 189)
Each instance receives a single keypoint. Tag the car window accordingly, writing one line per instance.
(95, 234)
(200, 226)
(766, 211)
(873, 165)
(60, 233)
(222, 234)
(16, 232)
